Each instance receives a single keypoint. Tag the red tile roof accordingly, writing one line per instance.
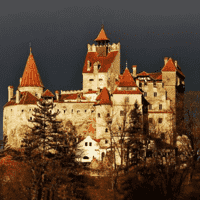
(25, 98)
(143, 74)
(102, 35)
(31, 76)
(127, 92)
(155, 75)
(159, 77)
(104, 61)
(127, 80)
(170, 66)
(104, 97)
(97, 140)
(47, 93)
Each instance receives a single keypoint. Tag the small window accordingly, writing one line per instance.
(108, 114)
(100, 90)
(162, 84)
(160, 106)
(154, 84)
(155, 94)
(57, 110)
(22, 110)
(160, 120)
(36, 94)
(162, 136)
(126, 99)
(150, 107)
(120, 128)
(92, 111)
(72, 110)
(106, 130)
(98, 115)
(85, 110)
(145, 94)
(145, 83)
(140, 84)
(11, 110)
(121, 113)
(90, 143)
(99, 66)
(89, 89)
(91, 79)
(106, 141)
(85, 157)
(78, 111)
(30, 118)
(85, 143)
(100, 79)
(29, 110)
(150, 120)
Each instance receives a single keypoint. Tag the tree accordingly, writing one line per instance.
(46, 143)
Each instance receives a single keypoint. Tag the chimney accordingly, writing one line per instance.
(176, 63)
(134, 67)
(57, 95)
(165, 60)
(20, 80)
(10, 92)
(17, 96)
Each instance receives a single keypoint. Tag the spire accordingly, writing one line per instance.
(31, 76)
(126, 63)
(102, 35)
(30, 48)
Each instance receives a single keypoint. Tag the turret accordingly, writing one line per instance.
(10, 92)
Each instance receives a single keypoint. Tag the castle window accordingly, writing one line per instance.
(92, 111)
(145, 83)
(91, 79)
(140, 84)
(100, 90)
(78, 111)
(36, 94)
(89, 89)
(99, 66)
(154, 84)
(65, 110)
(30, 118)
(150, 107)
(120, 128)
(162, 84)
(85, 110)
(108, 114)
(126, 99)
(160, 120)
(22, 110)
(85, 157)
(106, 130)
(155, 94)
(150, 120)
(100, 79)
(29, 110)
(72, 110)
(162, 136)
(85, 143)
(106, 141)
(121, 113)
(145, 94)
(160, 106)
(90, 143)
(98, 115)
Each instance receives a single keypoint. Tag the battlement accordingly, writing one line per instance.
(71, 91)
(111, 47)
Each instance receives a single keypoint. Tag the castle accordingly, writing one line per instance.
(159, 96)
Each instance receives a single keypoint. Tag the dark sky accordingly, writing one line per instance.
(60, 30)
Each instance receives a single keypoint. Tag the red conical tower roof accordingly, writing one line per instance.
(31, 76)
(127, 80)
(102, 35)
(103, 97)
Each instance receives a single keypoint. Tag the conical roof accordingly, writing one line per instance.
(104, 97)
(102, 35)
(127, 80)
(31, 76)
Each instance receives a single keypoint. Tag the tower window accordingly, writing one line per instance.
(90, 143)
(145, 94)
(106, 141)
(150, 107)
(30, 118)
(160, 120)
(150, 120)
(85, 110)
(72, 110)
(78, 111)
(99, 66)
(91, 79)
(22, 110)
(106, 130)
(100, 79)
(121, 113)
(140, 84)
(108, 114)
(98, 115)
(160, 106)
(155, 94)
(154, 84)
(85, 157)
(85, 143)
(100, 90)
(145, 83)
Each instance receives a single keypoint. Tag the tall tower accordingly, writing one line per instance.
(31, 80)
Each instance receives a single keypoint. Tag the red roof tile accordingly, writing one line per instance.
(159, 77)
(127, 80)
(102, 35)
(104, 61)
(31, 76)
(127, 92)
(97, 140)
(104, 97)
(155, 75)
(48, 93)
(143, 74)
(170, 66)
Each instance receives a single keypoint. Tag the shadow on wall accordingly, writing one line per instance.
(1, 144)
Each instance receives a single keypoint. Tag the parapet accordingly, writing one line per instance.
(111, 47)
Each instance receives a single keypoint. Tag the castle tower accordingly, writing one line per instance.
(31, 80)
(102, 64)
